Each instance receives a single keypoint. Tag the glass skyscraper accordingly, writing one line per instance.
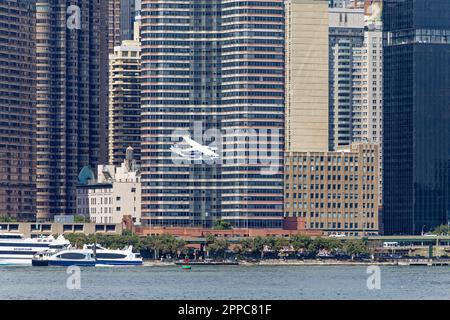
(213, 70)
(416, 115)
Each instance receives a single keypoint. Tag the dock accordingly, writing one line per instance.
(424, 262)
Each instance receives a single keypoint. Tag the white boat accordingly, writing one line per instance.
(65, 258)
(15, 249)
(108, 257)
(89, 256)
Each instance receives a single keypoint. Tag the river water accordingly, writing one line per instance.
(225, 282)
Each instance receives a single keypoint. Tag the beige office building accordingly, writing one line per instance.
(335, 191)
(306, 75)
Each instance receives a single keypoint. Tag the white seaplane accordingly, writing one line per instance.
(190, 149)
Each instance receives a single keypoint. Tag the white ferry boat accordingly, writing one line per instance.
(15, 249)
(89, 256)
(70, 257)
(108, 257)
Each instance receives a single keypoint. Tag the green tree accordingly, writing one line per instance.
(320, 243)
(355, 248)
(81, 219)
(259, 243)
(77, 240)
(442, 230)
(217, 247)
(300, 242)
(7, 219)
(164, 244)
(127, 232)
(222, 225)
(245, 246)
(280, 242)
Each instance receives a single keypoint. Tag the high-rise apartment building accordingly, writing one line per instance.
(367, 98)
(114, 19)
(129, 10)
(306, 75)
(119, 19)
(121, 15)
(335, 191)
(346, 27)
(416, 137)
(104, 80)
(17, 110)
(213, 70)
(356, 84)
(125, 100)
(68, 85)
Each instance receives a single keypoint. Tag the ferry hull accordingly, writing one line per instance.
(66, 263)
(15, 262)
(39, 263)
(119, 263)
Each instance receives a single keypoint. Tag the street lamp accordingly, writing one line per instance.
(423, 228)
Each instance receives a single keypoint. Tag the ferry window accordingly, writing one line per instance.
(72, 255)
(110, 256)
(10, 236)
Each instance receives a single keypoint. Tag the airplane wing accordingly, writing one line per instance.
(191, 142)
(194, 147)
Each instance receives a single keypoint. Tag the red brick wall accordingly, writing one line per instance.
(293, 226)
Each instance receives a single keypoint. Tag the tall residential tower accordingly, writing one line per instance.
(213, 70)
(125, 100)
(346, 40)
(17, 110)
(68, 86)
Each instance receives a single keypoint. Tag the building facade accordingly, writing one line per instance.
(129, 10)
(68, 93)
(117, 23)
(114, 19)
(416, 142)
(367, 101)
(121, 17)
(17, 110)
(306, 75)
(346, 3)
(346, 27)
(335, 191)
(115, 194)
(356, 77)
(124, 100)
(213, 70)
